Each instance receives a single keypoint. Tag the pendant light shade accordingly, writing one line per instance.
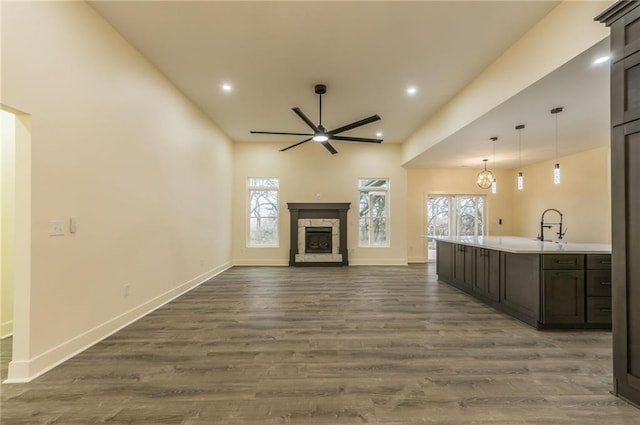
(519, 127)
(494, 183)
(520, 181)
(556, 167)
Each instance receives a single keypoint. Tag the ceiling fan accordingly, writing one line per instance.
(320, 134)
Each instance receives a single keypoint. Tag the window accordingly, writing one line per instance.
(456, 215)
(374, 216)
(263, 212)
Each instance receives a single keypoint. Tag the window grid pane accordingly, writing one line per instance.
(263, 212)
(373, 222)
(466, 218)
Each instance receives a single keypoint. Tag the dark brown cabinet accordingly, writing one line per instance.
(520, 286)
(487, 273)
(444, 264)
(563, 292)
(463, 265)
(563, 289)
(599, 289)
(624, 19)
(543, 290)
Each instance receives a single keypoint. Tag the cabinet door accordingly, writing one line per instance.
(563, 296)
(481, 271)
(444, 262)
(625, 230)
(493, 274)
(520, 286)
(625, 90)
(463, 266)
(625, 35)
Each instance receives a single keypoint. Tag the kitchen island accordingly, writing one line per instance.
(544, 284)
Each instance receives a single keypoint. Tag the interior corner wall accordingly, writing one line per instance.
(7, 217)
(583, 196)
(308, 173)
(424, 182)
(118, 146)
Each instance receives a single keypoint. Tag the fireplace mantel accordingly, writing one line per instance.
(318, 210)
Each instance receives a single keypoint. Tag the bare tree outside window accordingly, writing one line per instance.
(373, 212)
(455, 215)
(263, 212)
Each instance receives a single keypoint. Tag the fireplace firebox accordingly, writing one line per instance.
(318, 240)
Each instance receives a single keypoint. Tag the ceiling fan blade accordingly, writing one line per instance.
(305, 119)
(275, 132)
(355, 139)
(368, 120)
(293, 146)
(330, 148)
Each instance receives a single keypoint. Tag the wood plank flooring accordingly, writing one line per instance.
(350, 345)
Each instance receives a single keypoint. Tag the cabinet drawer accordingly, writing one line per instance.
(563, 262)
(598, 283)
(599, 310)
(599, 262)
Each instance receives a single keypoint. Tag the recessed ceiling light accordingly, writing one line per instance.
(602, 59)
(411, 91)
(379, 134)
(226, 87)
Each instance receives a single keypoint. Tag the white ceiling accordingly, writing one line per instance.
(579, 86)
(367, 53)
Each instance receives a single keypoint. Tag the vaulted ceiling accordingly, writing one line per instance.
(367, 53)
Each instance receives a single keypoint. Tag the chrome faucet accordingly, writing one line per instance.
(544, 225)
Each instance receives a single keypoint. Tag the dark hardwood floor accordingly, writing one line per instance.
(378, 345)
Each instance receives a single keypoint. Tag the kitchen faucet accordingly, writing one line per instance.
(560, 233)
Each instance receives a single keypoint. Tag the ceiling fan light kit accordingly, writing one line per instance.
(320, 134)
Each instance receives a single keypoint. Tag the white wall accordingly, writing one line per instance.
(462, 181)
(308, 170)
(118, 146)
(583, 196)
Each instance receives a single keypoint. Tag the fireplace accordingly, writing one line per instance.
(318, 234)
(318, 240)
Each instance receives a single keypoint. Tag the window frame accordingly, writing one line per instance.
(454, 218)
(251, 188)
(386, 189)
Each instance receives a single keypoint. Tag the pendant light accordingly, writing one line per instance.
(485, 177)
(519, 127)
(494, 183)
(556, 167)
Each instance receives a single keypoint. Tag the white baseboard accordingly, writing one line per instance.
(21, 371)
(276, 262)
(418, 260)
(6, 329)
(378, 262)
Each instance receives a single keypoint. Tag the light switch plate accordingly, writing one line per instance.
(73, 224)
(56, 228)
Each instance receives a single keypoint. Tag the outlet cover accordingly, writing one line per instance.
(56, 228)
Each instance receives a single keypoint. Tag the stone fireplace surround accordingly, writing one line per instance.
(318, 214)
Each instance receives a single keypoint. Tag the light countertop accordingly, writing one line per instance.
(520, 245)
